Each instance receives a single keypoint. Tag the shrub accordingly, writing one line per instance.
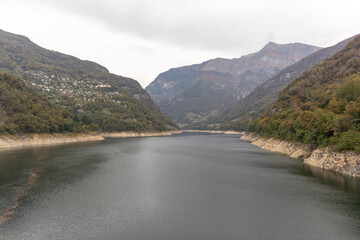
(349, 140)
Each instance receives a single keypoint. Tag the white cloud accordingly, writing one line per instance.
(140, 39)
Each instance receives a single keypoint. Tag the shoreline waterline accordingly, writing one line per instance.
(347, 163)
(214, 132)
(37, 140)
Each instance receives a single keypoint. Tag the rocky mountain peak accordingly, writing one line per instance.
(191, 94)
(271, 45)
(277, 47)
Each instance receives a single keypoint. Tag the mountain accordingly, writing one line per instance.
(191, 94)
(322, 106)
(86, 89)
(263, 97)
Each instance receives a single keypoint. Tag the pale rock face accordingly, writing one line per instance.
(294, 150)
(136, 134)
(34, 140)
(45, 139)
(250, 137)
(167, 85)
(346, 163)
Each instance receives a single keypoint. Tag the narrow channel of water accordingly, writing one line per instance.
(190, 186)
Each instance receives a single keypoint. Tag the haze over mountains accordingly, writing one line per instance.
(192, 94)
(87, 90)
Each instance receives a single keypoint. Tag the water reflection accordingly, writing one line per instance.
(345, 183)
(32, 181)
(183, 187)
(19, 173)
(295, 166)
(22, 170)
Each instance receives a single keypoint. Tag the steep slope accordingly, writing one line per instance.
(322, 106)
(23, 110)
(85, 88)
(263, 97)
(191, 94)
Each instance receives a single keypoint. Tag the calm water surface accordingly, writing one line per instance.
(189, 186)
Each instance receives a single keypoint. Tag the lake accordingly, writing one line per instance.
(188, 186)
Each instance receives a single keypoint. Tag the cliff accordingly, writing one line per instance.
(347, 163)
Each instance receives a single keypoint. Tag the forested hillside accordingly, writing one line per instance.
(264, 96)
(322, 106)
(85, 89)
(23, 110)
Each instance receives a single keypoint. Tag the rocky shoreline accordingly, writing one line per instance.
(136, 134)
(32, 140)
(35, 140)
(347, 163)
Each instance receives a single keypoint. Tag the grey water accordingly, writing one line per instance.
(190, 186)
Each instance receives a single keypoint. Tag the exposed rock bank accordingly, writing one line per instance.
(347, 163)
(136, 134)
(31, 140)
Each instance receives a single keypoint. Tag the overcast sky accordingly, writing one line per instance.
(140, 39)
